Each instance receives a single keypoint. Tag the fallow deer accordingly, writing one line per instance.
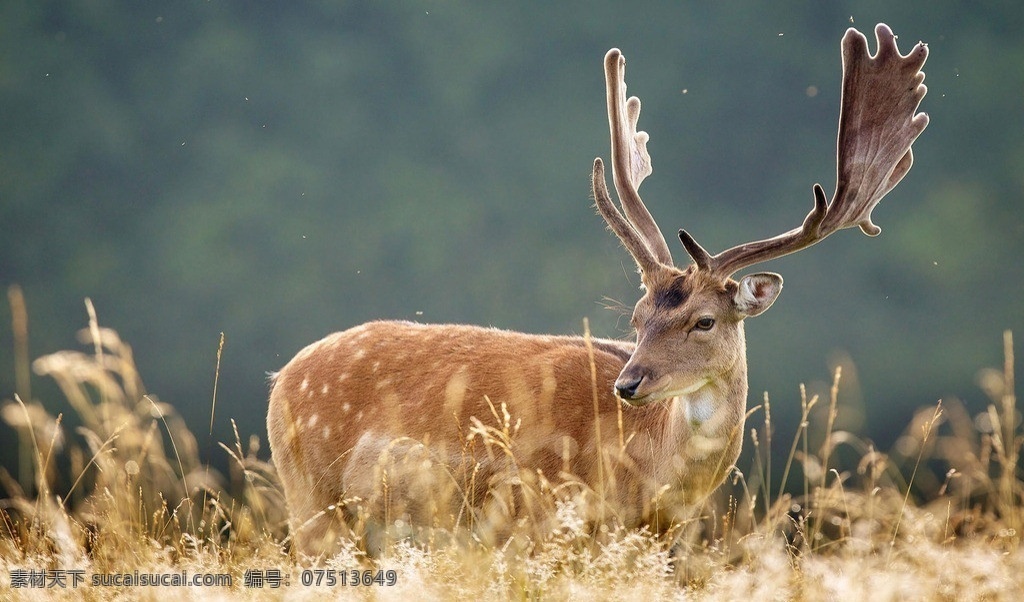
(393, 422)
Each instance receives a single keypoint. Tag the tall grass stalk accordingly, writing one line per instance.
(137, 495)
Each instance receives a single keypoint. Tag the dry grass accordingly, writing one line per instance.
(939, 518)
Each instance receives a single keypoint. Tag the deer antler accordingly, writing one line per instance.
(878, 124)
(630, 165)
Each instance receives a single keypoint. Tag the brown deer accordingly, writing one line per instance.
(397, 423)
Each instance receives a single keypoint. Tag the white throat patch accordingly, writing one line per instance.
(699, 408)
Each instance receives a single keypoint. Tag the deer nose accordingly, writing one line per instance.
(627, 389)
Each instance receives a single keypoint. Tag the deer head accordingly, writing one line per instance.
(689, 322)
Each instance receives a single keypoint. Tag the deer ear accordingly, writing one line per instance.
(756, 293)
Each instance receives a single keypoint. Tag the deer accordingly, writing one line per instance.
(396, 423)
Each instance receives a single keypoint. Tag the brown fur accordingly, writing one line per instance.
(399, 401)
(399, 423)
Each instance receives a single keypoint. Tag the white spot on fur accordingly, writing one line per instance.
(326, 431)
(304, 385)
(324, 389)
(343, 377)
(359, 354)
(376, 366)
(359, 416)
(345, 407)
(313, 420)
(455, 391)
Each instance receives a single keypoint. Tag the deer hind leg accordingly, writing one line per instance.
(317, 515)
(307, 476)
(317, 527)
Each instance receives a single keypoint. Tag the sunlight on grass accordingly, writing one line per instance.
(126, 491)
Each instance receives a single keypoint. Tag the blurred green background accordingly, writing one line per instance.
(278, 171)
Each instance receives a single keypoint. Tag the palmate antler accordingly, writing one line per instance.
(878, 123)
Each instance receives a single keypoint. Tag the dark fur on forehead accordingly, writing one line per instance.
(674, 294)
(673, 291)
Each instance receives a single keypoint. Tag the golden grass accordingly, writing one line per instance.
(939, 518)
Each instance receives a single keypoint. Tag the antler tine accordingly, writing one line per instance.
(630, 161)
(631, 239)
(878, 123)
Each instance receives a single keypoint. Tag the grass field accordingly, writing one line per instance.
(127, 493)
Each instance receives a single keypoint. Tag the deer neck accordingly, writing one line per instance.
(710, 408)
(705, 427)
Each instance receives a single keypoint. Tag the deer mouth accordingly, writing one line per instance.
(668, 392)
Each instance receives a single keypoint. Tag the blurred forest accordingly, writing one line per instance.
(279, 171)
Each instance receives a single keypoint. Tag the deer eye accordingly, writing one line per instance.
(705, 323)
